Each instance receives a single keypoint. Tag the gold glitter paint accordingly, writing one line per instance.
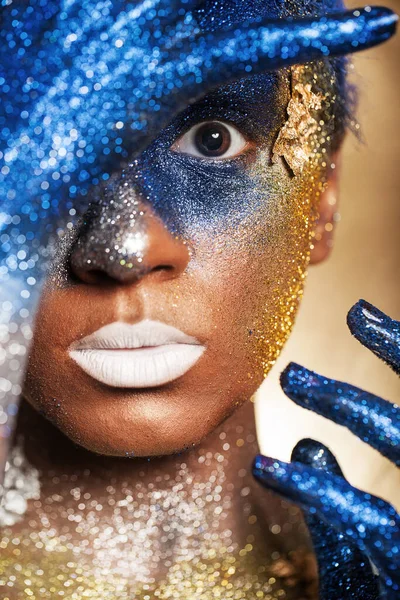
(303, 143)
(297, 229)
(75, 546)
(295, 139)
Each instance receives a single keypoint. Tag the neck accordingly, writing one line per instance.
(232, 446)
(164, 523)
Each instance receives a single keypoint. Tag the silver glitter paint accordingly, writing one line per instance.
(21, 483)
(85, 88)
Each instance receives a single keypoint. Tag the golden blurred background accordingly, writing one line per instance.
(364, 264)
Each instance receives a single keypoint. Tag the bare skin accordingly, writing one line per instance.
(247, 514)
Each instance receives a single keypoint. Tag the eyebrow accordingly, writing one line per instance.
(256, 87)
(258, 99)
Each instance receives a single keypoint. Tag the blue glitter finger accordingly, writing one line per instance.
(308, 39)
(376, 331)
(372, 419)
(369, 522)
(345, 573)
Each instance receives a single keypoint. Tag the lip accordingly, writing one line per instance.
(142, 355)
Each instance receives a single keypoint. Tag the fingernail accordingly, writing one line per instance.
(376, 331)
(302, 385)
(363, 313)
(267, 468)
(314, 454)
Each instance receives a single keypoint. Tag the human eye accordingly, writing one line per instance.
(213, 140)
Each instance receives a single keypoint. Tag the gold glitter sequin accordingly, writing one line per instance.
(165, 540)
(304, 143)
(294, 142)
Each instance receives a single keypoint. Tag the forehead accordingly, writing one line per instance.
(251, 89)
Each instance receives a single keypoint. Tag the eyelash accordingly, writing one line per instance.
(212, 139)
(195, 115)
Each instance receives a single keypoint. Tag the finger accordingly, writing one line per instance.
(378, 332)
(267, 46)
(368, 522)
(344, 571)
(372, 419)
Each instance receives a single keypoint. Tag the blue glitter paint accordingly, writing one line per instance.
(374, 420)
(105, 82)
(378, 332)
(367, 521)
(348, 526)
(191, 194)
(86, 87)
(344, 571)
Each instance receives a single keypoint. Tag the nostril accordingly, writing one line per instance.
(119, 260)
(92, 277)
(163, 268)
(101, 277)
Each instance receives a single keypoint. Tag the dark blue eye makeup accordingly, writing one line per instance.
(256, 106)
(196, 172)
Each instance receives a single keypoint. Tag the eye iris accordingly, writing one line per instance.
(213, 139)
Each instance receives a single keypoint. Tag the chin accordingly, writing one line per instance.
(141, 423)
(120, 445)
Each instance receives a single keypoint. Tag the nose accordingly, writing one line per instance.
(122, 241)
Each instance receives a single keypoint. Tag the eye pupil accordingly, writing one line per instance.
(212, 139)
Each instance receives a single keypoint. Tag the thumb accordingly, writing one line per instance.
(345, 573)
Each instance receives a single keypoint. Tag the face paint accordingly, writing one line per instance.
(94, 108)
(106, 84)
(107, 543)
(191, 236)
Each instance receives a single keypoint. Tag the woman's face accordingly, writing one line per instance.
(207, 238)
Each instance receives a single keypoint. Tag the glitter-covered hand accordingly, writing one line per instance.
(356, 536)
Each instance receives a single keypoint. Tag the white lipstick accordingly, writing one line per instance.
(145, 354)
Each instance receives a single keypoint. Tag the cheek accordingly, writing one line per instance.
(257, 267)
(240, 291)
(63, 316)
(192, 196)
(45, 382)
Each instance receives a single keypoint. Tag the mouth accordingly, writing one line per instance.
(142, 355)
